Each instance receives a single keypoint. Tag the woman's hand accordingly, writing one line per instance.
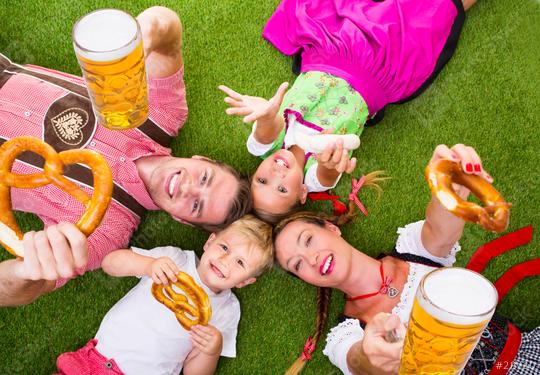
(375, 354)
(254, 108)
(207, 339)
(442, 229)
(469, 160)
(161, 270)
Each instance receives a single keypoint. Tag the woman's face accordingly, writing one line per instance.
(317, 255)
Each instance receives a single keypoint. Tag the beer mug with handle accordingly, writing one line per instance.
(451, 309)
(108, 45)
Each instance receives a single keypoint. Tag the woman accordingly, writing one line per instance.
(313, 250)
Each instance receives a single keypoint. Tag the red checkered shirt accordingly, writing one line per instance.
(24, 101)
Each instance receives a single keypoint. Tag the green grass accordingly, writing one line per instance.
(487, 97)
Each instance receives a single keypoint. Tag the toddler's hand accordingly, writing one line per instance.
(335, 157)
(253, 108)
(207, 339)
(162, 270)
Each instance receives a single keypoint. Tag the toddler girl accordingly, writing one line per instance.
(354, 58)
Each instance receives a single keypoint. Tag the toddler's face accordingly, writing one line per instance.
(228, 261)
(278, 183)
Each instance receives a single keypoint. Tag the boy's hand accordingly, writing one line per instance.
(207, 339)
(254, 108)
(161, 270)
(334, 157)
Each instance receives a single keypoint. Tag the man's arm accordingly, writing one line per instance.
(15, 291)
(162, 39)
(50, 254)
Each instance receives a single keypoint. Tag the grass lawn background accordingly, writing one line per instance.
(487, 97)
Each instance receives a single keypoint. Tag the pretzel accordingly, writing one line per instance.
(201, 311)
(496, 211)
(95, 206)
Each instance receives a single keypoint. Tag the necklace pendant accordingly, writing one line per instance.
(392, 292)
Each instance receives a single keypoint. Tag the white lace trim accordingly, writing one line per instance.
(410, 241)
(340, 339)
(402, 309)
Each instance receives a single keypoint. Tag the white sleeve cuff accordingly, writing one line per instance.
(339, 341)
(312, 182)
(410, 241)
(254, 147)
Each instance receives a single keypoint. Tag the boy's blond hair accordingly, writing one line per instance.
(259, 236)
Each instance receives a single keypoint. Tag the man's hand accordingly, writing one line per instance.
(207, 339)
(161, 31)
(375, 355)
(60, 251)
(254, 108)
(163, 269)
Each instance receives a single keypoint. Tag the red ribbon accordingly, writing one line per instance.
(355, 186)
(309, 347)
(339, 207)
(483, 255)
(385, 285)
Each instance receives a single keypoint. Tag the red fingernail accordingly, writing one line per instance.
(468, 167)
(477, 168)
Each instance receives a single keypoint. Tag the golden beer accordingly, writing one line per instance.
(451, 309)
(108, 45)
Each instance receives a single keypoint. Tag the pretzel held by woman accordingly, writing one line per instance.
(201, 310)
(95, 206)
(493, 216)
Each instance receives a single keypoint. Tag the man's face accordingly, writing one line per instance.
(192, 190)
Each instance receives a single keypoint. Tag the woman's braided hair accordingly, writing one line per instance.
(324, 294)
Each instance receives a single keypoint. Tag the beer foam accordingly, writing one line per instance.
(458, 296)
(105, 35)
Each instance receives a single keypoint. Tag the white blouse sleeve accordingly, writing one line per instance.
(410, 241)
(254, 147)
(339, 340)
(312, 182)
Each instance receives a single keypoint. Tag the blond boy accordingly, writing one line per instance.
(139, 335)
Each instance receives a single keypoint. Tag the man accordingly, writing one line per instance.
(196, 191)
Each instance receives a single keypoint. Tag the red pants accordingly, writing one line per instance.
(86, 361)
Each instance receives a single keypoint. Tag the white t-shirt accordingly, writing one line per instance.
(343, 336)
(144, 337)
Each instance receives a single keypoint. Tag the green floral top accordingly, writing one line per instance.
(317, 101)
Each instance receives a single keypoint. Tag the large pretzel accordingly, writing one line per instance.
(201, 310)
(10, 233)
(496, 211)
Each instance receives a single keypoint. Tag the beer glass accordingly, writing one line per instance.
(108, 45)
(451, 308)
